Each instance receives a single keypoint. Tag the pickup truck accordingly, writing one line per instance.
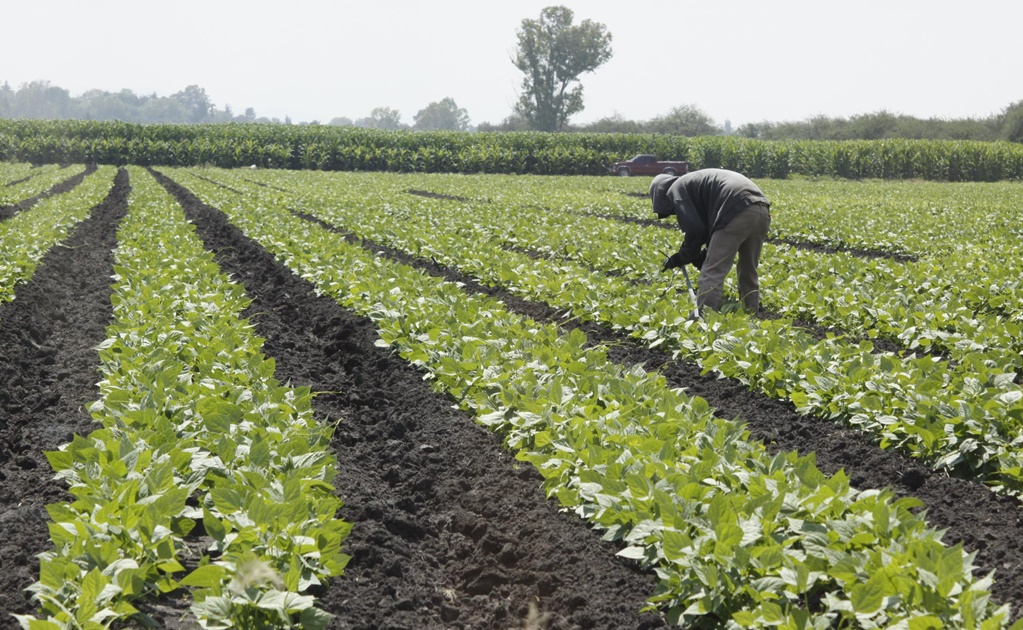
(648, 165)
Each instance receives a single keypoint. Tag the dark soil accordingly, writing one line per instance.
(449, 530)
(48, 374)
(6, 212)
(984, 522)
(18, 181)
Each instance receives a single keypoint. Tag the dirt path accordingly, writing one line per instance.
(450, 531)
(48, 374)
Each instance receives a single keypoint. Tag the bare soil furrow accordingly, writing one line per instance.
(48, 374)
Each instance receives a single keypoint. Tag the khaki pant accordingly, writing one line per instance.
(744, 235)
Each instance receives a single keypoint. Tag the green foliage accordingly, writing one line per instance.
(876, 125)
(383, 118)
(358, 149)
(737, 536)
(194, 429)
(42, 101)
(553, 53)
(35, 182)
(961, 416)
(1012, 129)
(443, 115)
(683, 120)
(27, 236)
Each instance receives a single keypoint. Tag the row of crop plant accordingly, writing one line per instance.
(963, 418)
(38, 181)
(909, 218)
(325, 147)
(963, 299)
(916, 304)
(28, 235)
(194, 430)
(737, 536)
(15, 171)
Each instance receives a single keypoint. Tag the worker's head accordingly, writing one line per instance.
(659, 195)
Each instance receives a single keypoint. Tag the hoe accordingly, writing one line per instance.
(695, 314)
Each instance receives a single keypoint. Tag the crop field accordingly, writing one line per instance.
(268, 398)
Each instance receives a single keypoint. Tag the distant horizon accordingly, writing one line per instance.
(239, 110)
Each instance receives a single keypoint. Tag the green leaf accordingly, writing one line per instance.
(31, 623)
(209, 576)
(633, 553)
(285, 601)
(866, 598)
(1010, 397)
(925, 622)
(227, 500)
(219, 415)
(213, 526)
(315, 619)
(215, 607)
(676, 546)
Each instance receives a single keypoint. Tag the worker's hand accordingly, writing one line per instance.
(672, 262)
(700, 259)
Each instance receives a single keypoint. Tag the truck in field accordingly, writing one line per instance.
(648, 165)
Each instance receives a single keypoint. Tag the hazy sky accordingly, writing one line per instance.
(738, 60)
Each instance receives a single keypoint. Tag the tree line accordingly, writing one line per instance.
(39, 100)
(691, 121)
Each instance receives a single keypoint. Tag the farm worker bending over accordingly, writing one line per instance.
(722, 213)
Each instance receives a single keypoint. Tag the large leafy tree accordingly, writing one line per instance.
(1012, 128)
(195, 101)
(684, 120)
(443, 115)
(382, 118)
(552, 52)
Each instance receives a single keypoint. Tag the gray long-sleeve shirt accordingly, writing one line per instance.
(703, 201)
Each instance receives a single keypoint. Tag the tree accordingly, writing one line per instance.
(873, 126)
(341, 121)
(195, 102)
(684, 120)
(382, 118)
(553, 53)
(442, 115)
(615, 123)
(159, 110)
(39, 99)
(7, 95)
(1012, 128)
(514, 122)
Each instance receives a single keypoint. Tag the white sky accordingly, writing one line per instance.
(741, 60)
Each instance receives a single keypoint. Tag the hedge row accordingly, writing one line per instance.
(356, 149)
